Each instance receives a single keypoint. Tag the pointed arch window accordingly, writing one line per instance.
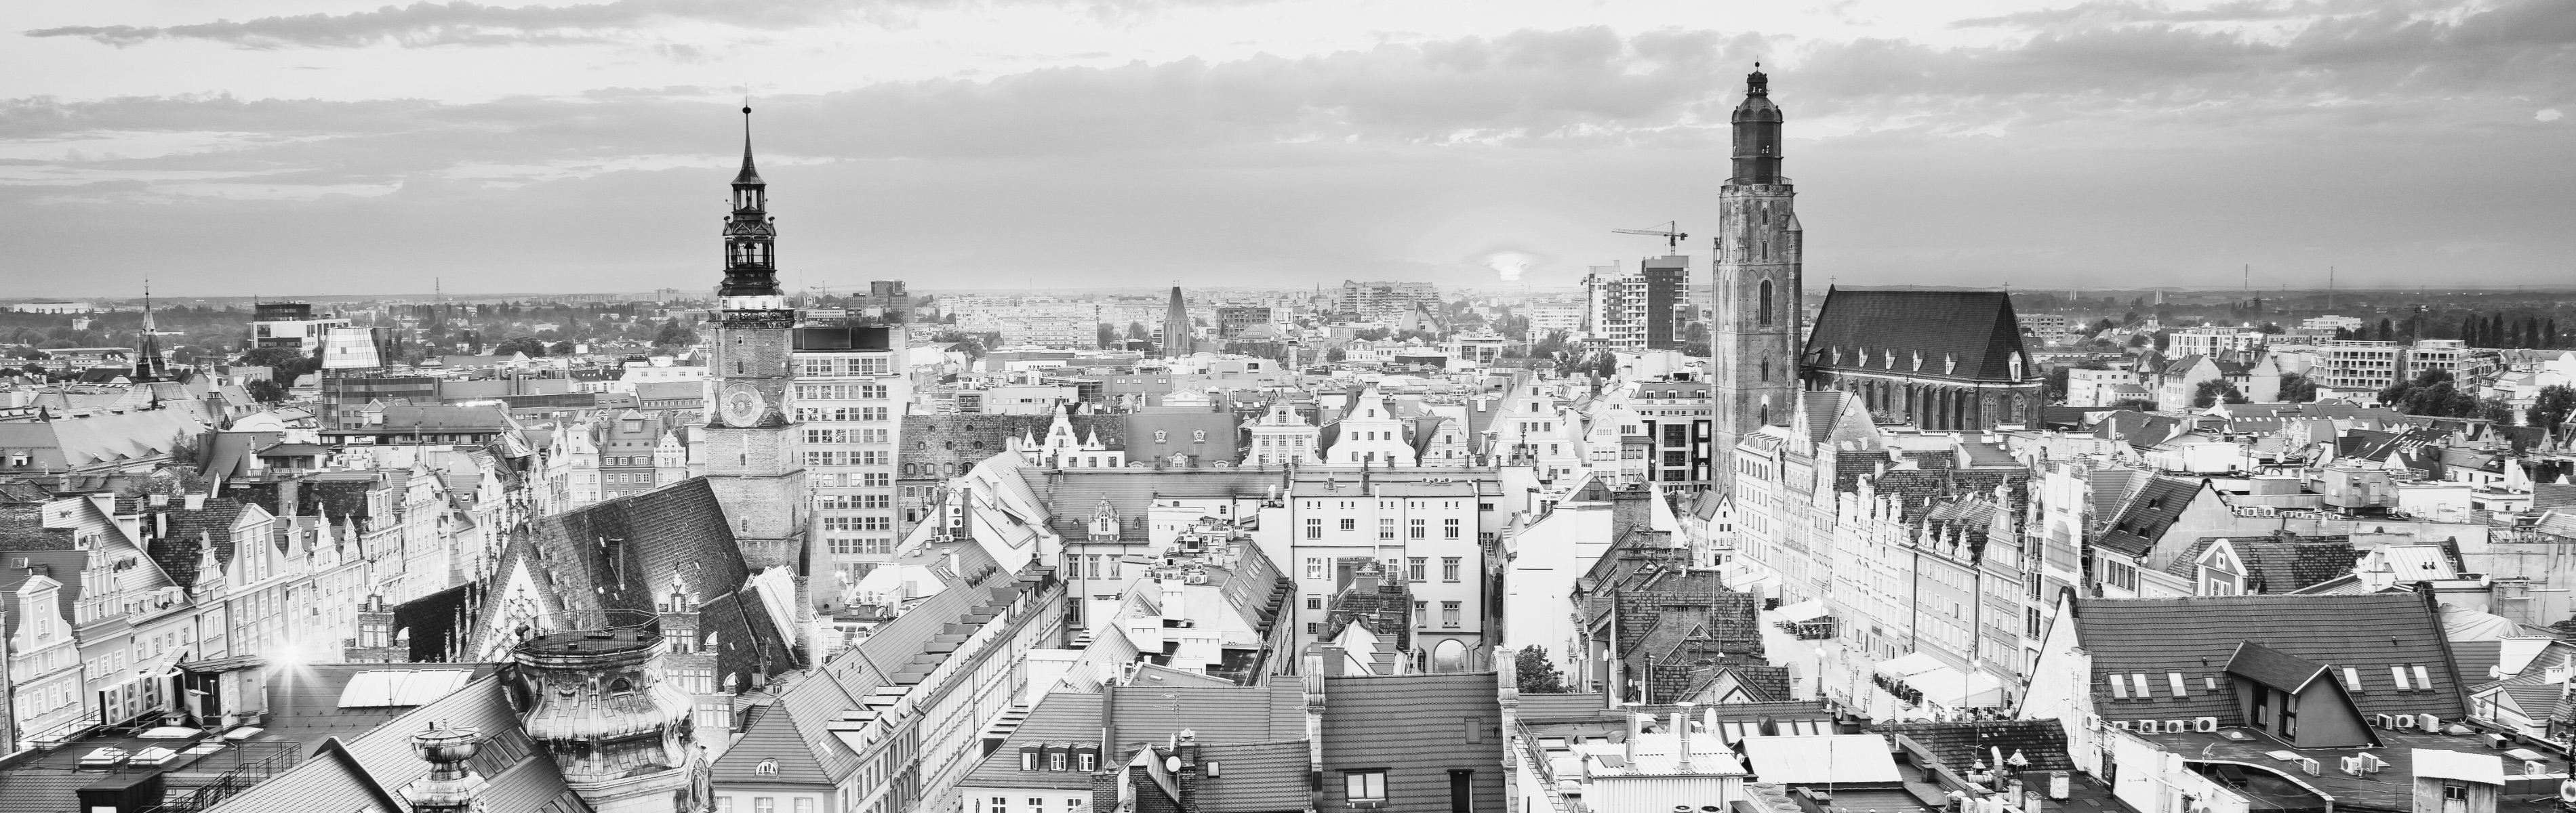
(1765, 314)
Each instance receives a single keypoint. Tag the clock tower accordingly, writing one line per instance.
(1759, 280)
(753, 457)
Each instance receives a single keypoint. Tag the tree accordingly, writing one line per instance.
(265, 391)
(530, 346)
(2495, 410)
(1107, 335)
(2054, 391)
(973, 342)
(1137, 331)
(2551, 407)
(1336, 355)
(1535, 673)
(2387, 330)
(2296, 388)
(2431, 394)
(673, 332)
(561, 348)
(2214, 390)
(183, 450)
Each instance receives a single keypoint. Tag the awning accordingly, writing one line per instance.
(1905, 665)
(1808, 610)
(1950, 688)
(219, 665)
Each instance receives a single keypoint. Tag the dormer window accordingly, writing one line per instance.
(767, 767)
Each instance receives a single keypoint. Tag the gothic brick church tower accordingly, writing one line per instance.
(1756, 335)
(754, 460)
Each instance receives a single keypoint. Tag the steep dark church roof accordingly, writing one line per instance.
(1859, 330)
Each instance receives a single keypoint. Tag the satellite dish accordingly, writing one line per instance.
(1172, 764)
(2567, 791)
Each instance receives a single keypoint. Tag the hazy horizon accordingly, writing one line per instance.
(291, 148)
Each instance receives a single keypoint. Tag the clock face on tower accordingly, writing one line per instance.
(741, 404)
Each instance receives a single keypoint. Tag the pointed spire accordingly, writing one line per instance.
(750, 174)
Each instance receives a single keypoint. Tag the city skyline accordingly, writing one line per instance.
(2031, 144)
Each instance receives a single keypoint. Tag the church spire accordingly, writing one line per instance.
(148, 365)
(751, 264)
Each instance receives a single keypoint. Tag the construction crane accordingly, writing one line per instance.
(1671, 233)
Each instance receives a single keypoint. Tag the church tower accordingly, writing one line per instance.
(754, 461)
(1756, 335)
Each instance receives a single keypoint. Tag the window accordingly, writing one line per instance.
(764, 804)
(1418, 529)
(1314, 529)
(1314, 567)
(1449, 568)
(2119, 686)
(1001, 804)
(2398, 673)
(767, 767)
(1349, 524)
(2455, 791)
(1449, 529)
(2351, 679)
(1414, 567)
(1422, 614)
(1449, 614)
(804, 805)
(2139, 682)
(2423, 681)
(1364, 787)
(2176, 679)
(1314, 602)
(1386, 528)
(1764, 315)
(1055, 760)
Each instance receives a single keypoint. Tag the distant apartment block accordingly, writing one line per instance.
(1386, 300)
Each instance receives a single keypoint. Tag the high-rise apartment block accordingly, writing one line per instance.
(1642, 309)
(849, 393)
(1386, 300)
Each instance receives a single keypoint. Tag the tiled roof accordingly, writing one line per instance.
(954, 443)
(1416, 727)
(62, 566)
(1254, 777)
(1153, 714)
(771, 737)
(2143, 521)
(2272, 667)
(1961, 744)
(1059, 717)
(1974, 328)
(2477, 658)
(2198, 636)
(179, 549)
(2276, 565)
(521, 777)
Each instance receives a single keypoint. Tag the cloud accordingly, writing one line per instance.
(466, 23)
(2083, 143)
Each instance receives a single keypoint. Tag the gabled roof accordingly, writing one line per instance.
(772, 737)
(2144, 520)
(2199, 636)
(1059, 717)
(1975, 328)
(2274, 564)
(2272, 667)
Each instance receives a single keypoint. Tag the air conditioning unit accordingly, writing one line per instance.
(2173, 726)
(2204, 724)
(2146, 726)
(2402, 721)
(2122, 725)
(2530, 768)
(2382, 720)
(2370, 762)
(2432, 724)
(2312, 766)
(2092, 723)
(2495, 740)
(2352, 765)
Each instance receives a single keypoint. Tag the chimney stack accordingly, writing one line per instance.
(1681, 737)
(1636, 728)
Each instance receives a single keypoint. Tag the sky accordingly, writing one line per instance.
(299, 147)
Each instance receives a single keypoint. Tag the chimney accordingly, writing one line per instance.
(194, 502)
(1175, 600)
(451, 785)
(1629, 509)
(1188, 776)
(1681, 737)
(1636, 728)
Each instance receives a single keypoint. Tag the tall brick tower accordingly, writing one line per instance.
(1756, 334)
(753, 458)
(1176, 328)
